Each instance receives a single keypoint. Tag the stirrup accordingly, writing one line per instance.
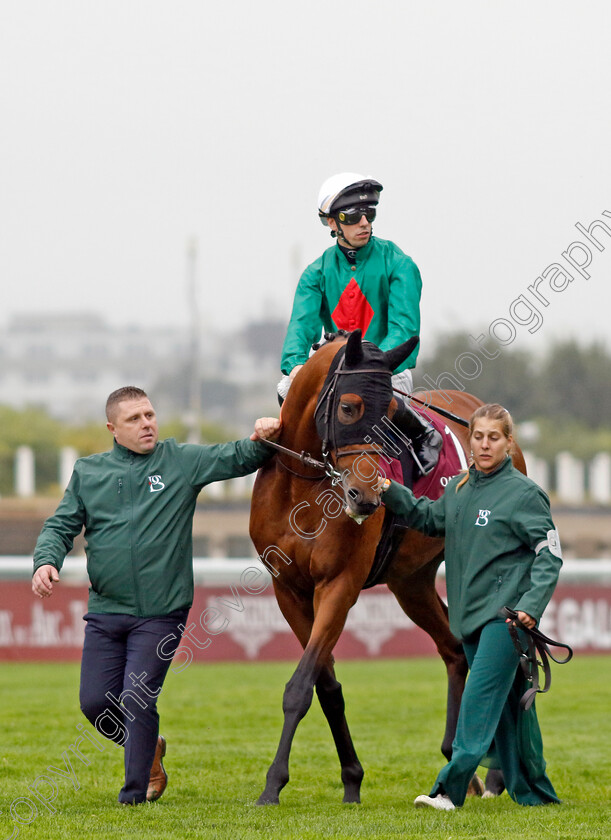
(428, 447)
(426, 441)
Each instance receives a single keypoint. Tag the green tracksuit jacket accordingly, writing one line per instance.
(137, 511)
(379, 293)
(501, 547)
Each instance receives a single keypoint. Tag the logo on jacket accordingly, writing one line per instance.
(155, 483)
(482, 518)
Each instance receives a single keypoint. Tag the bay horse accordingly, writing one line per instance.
(319, 542)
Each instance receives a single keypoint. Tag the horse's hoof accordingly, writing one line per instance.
(476, 786)
(352, 778)
(495, 784)
(267, 799)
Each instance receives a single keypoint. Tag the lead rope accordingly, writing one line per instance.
(536, 643)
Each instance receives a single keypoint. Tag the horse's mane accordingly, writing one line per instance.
(330, 337)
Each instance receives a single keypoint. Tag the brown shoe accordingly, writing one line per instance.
(158, 779)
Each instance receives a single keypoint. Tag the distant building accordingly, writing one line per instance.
(68, 364)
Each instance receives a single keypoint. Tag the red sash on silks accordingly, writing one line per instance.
(451, 462)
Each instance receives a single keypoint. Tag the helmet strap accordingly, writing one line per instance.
(340, 232)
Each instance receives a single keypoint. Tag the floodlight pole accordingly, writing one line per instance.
(194, 412)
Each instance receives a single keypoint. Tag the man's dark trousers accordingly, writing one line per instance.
(121, 679)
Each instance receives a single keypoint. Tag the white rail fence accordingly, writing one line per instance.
(568, 479)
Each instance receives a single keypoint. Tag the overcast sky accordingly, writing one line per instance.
(129, 128)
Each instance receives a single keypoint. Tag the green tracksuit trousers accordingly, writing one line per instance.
(492, 724)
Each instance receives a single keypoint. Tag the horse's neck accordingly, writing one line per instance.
(299, 428)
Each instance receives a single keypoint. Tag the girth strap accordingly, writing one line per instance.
(390, 538)
(537, 644)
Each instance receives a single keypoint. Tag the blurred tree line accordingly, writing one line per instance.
(35, 428)
(566, 391)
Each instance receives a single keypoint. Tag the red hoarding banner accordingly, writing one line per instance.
(230, 624)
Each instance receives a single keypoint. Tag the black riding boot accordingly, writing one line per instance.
(425, 438)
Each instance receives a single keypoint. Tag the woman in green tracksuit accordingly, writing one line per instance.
(501, 550)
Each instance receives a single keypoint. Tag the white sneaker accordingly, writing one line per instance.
(441, 802)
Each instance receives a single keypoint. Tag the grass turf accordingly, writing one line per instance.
(223, 722)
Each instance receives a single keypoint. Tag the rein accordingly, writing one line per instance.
(443, 411)
(536, 644)
(308, 461)
(326, 466)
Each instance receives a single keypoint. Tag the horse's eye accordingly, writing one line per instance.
(350, 409)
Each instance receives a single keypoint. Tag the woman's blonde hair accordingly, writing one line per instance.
(493, 411)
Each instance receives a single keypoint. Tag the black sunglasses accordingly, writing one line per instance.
(353, 215)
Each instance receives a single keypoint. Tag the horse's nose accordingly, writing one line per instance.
(355, 495)
(357, 504)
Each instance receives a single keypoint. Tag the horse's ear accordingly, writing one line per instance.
(354, 349)
(399, 354)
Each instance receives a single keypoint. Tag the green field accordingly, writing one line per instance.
(222, 723)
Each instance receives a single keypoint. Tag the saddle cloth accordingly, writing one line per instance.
(451, 461)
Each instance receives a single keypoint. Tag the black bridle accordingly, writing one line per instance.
(326, 403)
(326, 400)
(327, 425)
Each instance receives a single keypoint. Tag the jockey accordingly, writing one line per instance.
(365, 283)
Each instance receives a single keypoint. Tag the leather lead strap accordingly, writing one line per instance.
(536, 644)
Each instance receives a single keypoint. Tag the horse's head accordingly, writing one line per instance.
(356, 395)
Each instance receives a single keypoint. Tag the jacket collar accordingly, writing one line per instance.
(125, 454)
(360, 253)
(476, 475)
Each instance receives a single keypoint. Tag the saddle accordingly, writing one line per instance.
(451, 462)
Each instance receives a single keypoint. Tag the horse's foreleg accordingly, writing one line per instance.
(331, 603)
(296, 701)
(456, 667)
(331, 699)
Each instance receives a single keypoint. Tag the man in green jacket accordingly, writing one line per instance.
(365, 283)
(136, 504)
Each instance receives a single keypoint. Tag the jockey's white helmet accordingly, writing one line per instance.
(345, 189)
